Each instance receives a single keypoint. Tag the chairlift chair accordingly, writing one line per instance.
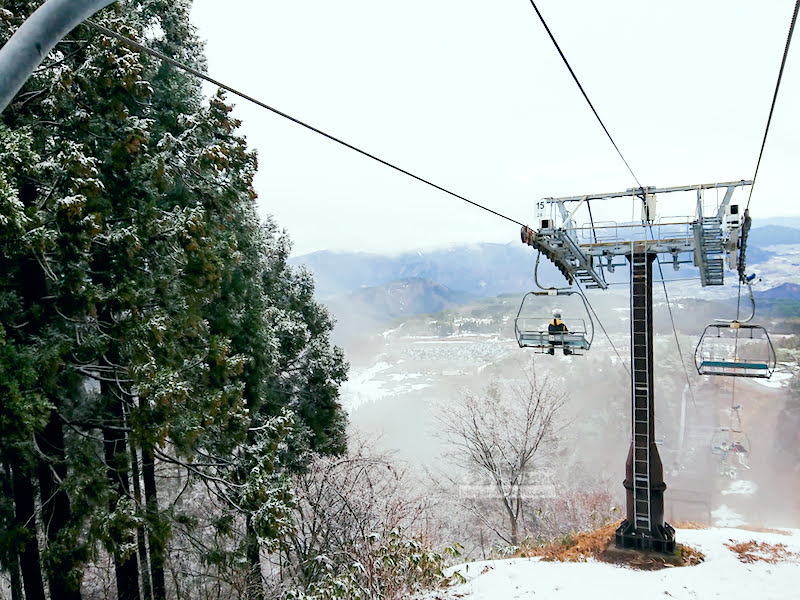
(533, 331)
(735, 350)
(730, 441)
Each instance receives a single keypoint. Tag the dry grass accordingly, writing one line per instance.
(689, 525)
(690, 556)
(576, 548)
(753, 551)
(764, 530)
(594, 545)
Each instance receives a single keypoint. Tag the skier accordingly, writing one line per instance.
(557, 329)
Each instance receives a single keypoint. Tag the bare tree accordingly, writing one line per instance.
(359, 525)
(500, 435)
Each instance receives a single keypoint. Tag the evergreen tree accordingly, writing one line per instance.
(147, 317)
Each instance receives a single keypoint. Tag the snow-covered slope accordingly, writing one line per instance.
(723, 574)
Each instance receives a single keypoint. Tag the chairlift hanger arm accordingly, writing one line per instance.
(752, 307)
(536, 276)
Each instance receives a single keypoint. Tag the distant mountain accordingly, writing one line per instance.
(401, 298)
(756, 255)
(480, 269)
(782, 221)
(368, 308)
(772, 235)
(787, 291)
(769, 235)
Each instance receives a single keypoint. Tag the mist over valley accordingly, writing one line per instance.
(422, 329)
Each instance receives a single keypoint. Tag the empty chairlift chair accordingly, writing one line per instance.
(735, 350)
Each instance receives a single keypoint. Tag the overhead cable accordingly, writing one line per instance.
(141, 48)
(758, 163)
(774, 98)
(585, 95)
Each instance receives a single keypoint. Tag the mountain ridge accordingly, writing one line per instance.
(772, 235)
(484, 269)
(481, 269)
(366, 308)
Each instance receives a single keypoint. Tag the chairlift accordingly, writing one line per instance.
(536, 332)
(735, 350)
(729, 443)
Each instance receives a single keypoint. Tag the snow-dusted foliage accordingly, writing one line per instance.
(152, 330)
(359, 531)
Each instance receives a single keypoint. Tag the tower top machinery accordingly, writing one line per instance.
(714, 234)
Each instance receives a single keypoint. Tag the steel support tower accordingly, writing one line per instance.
(644, 527)
(585, 253)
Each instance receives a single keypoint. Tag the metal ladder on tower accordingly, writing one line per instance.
(711, 250)
(642, 427)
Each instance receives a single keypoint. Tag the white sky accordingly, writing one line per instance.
(473, 96)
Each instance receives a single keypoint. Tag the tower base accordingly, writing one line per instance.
(661, 540)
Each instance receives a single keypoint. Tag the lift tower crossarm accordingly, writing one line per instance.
(709, 237)
(730, 185)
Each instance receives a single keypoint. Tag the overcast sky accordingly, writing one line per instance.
(473, 96)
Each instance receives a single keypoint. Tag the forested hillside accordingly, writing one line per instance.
(163, 371)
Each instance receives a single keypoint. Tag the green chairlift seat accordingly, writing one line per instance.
(735, 350)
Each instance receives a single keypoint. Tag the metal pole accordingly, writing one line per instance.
(36, 37)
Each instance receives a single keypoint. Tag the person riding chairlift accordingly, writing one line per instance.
(556, 326)
(741, 452)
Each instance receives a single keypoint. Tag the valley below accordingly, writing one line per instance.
(407, 368)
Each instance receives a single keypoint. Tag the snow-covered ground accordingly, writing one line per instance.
(777, 380)
(725, 516)
(408, 364)
(379, 380)
(721, 575)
